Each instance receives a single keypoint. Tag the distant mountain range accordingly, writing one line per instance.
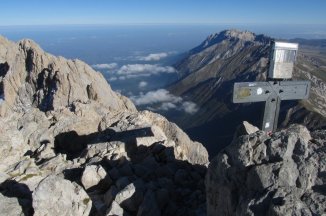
(207, 74)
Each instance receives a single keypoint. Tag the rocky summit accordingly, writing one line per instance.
(69, 145)
(261, 174)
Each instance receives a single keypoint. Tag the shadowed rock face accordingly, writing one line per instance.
(72, 146)
(258, 174)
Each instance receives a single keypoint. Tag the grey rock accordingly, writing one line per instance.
(10, 206)
(59, 119)
(279, 174)
(57, 196)
(36, 78)
(93, 175)
(125, 193)
(246, 129)
(114, 210)
(3, 177)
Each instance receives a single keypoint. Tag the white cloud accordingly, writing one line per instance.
(142, 84)
(165, 101)
(144, 68)
(167, 106)
(158, 96)
(113, 78)
(129, 76)
(190, 107)
(153, 57)
(105, 66)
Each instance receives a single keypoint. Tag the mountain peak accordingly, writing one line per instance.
(29, 44)
(242, 35)
(231, 35)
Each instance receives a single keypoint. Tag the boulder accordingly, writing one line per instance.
(114, 209)
(93, 175)
(57, 196)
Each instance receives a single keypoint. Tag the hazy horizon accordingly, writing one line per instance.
(115, 50)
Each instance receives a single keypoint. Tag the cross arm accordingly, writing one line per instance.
(251, 92)
(293, 90)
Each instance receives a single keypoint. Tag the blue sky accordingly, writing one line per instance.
(40, 12)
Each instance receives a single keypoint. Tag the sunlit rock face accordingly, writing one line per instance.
(69, 145)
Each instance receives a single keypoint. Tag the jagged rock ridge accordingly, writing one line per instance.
(259, 174)
(72, 146)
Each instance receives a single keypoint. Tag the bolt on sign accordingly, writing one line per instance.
(275, 90)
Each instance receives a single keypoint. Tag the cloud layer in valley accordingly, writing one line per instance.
(110, 66)
(153, 56)
(162, 99)
(144, 68)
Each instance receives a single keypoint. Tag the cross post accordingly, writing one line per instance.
(276, 90)
(272, 92)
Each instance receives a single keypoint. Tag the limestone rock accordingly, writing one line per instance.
(259, 174)
(114, 209)
(125, 193)
(62, 126)
(146, 128)
(246, 129)
(93, 175)
(10, 206)
(57, 196)
(33, 78)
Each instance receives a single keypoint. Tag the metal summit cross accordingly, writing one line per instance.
(275, 90)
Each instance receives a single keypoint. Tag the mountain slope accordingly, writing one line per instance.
(69, 145)
(207, 76)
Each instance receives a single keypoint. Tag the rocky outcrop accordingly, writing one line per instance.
(72, 146)
(32, 78)
(277, 174)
